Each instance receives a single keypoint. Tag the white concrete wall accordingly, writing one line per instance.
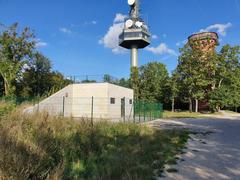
(82, 100)
(54, 103)
(118, 92)
(78, 101)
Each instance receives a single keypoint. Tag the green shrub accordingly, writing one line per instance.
(6, 107)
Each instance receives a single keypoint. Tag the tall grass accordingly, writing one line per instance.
(39, 146)
(6, 107)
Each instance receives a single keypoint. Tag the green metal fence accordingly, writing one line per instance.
(147, 111)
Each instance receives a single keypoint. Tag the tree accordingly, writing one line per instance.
(153, 80)
(219, 98)
(39, 79)
(227, 79)
(36, 79)
(15, 50)
(134, 82)
(1, 86)
(57, 82)
(107, 78)
(194, 73)
(124, 82)
(210, 76)
(173, 89)
(228, 61)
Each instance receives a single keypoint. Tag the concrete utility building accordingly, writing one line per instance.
(100, 100)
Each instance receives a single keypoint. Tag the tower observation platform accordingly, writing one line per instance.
(135, 33)
(205, 41)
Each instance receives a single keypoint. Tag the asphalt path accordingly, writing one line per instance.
(212, 153)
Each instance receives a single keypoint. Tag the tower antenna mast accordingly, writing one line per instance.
(135, 33)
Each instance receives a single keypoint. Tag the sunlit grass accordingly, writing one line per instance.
(183, 114)
(187, 114)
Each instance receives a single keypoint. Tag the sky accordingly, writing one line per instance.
(80, 37)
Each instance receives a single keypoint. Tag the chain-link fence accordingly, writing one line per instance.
(123, 109)
(92, 78)
(96, 108)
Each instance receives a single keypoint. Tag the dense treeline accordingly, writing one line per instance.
(212, 78)
(153, 83)
(25, 72)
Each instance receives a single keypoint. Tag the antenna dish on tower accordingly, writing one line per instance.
(139, 24)
(131, 2)
(129, 23)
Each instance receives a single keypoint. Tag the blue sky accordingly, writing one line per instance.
(80, 36)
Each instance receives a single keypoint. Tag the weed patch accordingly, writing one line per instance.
(43, 147)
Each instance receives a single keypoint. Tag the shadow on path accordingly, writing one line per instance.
(213, 151)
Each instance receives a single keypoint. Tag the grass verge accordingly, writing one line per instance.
(42, 147)
(183, 114)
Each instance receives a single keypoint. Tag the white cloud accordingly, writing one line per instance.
(40, 44)
(164, 35)
(178, 44)
(87, 23)
(65, 30)
(154, 36)
(94, 22)
(220, 28)
(161, 49)
(111, 38)
(119, 18)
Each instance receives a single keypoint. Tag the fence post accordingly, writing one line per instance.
(139, 112)
(38, 104)
(124, 108)
(151, 112)
(144, 111)
(92, 112)
(63, 105)
(134, 110)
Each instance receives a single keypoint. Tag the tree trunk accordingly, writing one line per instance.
(190, 105)
(173, 104)
(196, 105)
(5, 87)
(236, 109)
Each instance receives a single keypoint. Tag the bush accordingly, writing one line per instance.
(42, 147)
(6, 107)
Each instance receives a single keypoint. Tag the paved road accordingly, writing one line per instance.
(212, 154)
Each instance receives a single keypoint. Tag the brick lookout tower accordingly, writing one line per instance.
(135, 33)
(206, 43)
